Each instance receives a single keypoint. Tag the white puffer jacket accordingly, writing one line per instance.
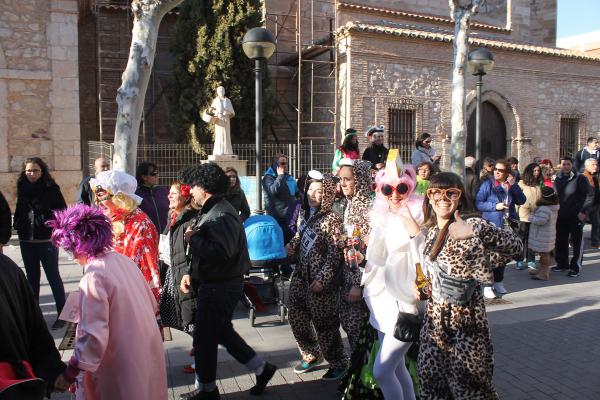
(542, 232)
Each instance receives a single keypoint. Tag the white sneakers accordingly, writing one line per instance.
(488, 292)
(499, 288)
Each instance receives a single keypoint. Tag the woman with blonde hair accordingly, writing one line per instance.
(135, 236)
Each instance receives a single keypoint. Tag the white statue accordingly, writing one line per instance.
(220, 112)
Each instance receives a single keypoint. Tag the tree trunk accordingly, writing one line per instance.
(461, 16)
(130, 96)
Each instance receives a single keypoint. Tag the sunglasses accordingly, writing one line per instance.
(451, 194)
(501, 170)
(153, 173)
(387, 190)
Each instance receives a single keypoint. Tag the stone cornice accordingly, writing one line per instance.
(443, 36)
(415, 16)
(8, 73)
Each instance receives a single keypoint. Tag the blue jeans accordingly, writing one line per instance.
(212, 326)
(33, 254)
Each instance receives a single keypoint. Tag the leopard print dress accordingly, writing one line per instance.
(315, 317)
(456, 355)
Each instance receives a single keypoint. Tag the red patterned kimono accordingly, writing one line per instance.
(138, 240)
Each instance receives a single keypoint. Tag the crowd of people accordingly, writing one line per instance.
(399, 257)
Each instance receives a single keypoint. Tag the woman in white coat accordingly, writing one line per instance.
(395, 245)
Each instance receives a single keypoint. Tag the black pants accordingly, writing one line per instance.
(499, 274)
(215, 305)
(33, 254)
(566, 228)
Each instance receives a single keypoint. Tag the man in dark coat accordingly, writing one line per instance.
(219, 259)
(85, 194)
(471, 178)
(376, 153)
(24, 335)
(576, 201)
(589, 151)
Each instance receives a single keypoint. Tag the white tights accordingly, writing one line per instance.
(390, 370)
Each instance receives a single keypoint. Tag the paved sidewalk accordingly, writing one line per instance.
(545, 341)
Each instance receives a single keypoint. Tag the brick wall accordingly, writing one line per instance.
(530, 91)
(39, 93)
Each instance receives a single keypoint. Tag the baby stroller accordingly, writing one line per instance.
(264, 282)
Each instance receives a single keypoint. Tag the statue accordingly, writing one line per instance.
(219, 113)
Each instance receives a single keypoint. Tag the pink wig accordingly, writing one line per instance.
(407, 176)
(81, 230)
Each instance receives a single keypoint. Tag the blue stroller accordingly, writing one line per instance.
(265, 283)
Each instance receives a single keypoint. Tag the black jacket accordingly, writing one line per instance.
(219, 248)
(574, 194)
(237, 198)
(36, 203)
(84, 193)
(5, 221)
(375, 154)
(179, 265)
(471, 184)
(583, 155)
(23, 331)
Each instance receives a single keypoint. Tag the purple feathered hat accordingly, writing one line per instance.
(81, 230)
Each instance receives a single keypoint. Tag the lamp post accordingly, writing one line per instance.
(258, 45)
(481, 61)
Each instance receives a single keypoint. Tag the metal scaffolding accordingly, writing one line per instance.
(313, 65)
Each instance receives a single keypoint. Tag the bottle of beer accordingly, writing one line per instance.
(422, 283)
(356, 240)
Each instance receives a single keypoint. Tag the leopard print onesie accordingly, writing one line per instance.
(456, 355)
(354, 315)
(314, 317)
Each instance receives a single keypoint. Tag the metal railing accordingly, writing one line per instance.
(171, 158)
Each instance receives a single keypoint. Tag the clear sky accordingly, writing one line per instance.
(577, 16)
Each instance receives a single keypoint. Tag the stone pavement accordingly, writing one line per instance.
(545, 341)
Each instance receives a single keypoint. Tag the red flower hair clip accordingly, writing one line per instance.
(185, 190)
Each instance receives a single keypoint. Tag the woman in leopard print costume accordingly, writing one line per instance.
(314, 309)
(455, 359)
(355, 180)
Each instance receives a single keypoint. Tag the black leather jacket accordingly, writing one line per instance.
(219, 249)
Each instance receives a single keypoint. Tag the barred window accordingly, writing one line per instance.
(569, 130)
(403, 117)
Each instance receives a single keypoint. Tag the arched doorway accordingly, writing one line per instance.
(493, 132)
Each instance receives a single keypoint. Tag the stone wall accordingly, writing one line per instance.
(39, 99)
(532, 92)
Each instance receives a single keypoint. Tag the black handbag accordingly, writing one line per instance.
(408, 327)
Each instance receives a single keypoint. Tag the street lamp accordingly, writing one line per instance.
(258, 45)
(481, 61)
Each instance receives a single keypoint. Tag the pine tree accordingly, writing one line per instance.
(207, 53)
